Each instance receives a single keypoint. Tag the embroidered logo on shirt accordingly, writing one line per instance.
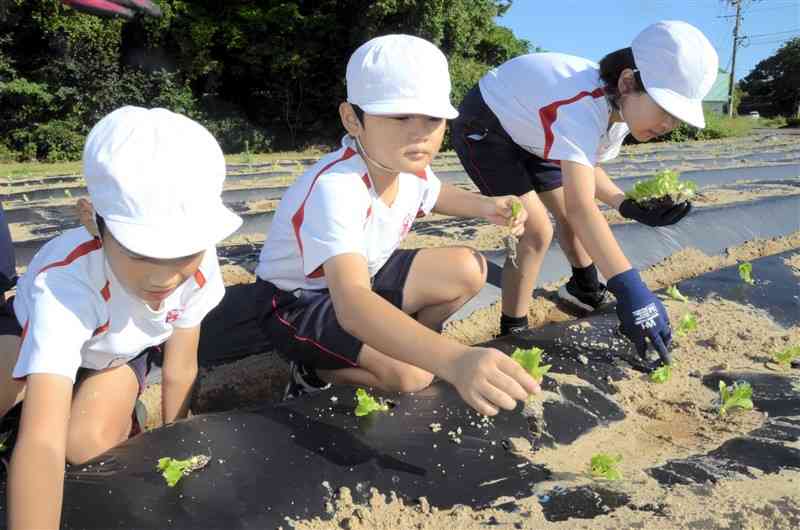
(406, 225)
(173, 315)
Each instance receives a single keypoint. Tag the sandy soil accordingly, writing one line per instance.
(484, 324)
(667, 421)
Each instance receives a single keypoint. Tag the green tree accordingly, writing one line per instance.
(773, 87)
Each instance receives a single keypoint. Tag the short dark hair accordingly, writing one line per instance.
(359, 113)
(611, 67)
(101, 224)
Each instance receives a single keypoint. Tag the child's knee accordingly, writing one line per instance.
(409, 379)
(471, 270)
(538, 236)
(88, 441)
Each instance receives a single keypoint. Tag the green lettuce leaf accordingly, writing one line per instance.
(604, 466)
(530, 360)
(665, 183)
(368, 404)
(737, 396)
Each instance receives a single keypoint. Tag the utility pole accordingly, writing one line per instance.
(733, 58)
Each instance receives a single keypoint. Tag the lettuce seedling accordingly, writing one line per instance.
(511, 240)
(675, 294)
(604, 466)
(531, 360)
(737, 396)
(687, 324)
(785, 357)
(746, 273)
(664, 184)
(368, 404)
(174, 470)
(662, 374)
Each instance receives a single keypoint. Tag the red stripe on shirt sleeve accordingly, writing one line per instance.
(299, 215)
(549, 113)
(81, 250)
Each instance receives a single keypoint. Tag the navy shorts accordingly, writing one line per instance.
(494, 162)
(302, 324)
(140, 364)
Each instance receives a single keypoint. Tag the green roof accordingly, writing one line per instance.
(719, 91)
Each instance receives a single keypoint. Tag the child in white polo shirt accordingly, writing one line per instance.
(141, 273)
(539, 125)
(341, 302)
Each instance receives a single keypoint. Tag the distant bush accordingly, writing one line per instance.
(793, 122)
(54, 141)
(236, 134)
(7, 154)
(717, 126)
(776, 122)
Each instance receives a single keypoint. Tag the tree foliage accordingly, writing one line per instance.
(266, 72)
(773, 87)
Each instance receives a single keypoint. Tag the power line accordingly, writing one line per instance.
(795, 30)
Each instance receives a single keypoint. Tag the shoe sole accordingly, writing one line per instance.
(566, 296)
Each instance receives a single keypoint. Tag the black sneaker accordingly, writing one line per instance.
(302, 382)
(586, 300)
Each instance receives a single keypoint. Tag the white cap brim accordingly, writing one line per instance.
(168, 240)
(683, 108)
(388, 108)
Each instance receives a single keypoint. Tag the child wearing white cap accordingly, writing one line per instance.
(140, 273)
(341, 301)
(539, 125)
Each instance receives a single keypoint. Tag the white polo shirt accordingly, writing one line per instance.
(333, 209)
(553, 105)
(74, 313)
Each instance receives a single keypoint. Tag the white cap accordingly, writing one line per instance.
(678, 67)
(400, 74)
(156, 179)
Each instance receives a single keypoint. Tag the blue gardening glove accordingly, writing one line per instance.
(642, 316)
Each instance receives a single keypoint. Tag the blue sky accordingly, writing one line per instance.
(593, 28)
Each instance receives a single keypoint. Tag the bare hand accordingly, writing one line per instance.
(499, 211)
(488, 380)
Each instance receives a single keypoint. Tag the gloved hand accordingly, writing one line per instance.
(125, 8)
(661, 216)
(642, 316)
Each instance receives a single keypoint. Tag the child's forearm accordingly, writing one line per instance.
(176, 395)
(376, 322)
(179, 373)
(606, 191)
(588, 223)
(460, 203)
(36, 486)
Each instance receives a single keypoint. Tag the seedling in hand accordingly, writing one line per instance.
(785, 357)
(663, 187)
(687, 324)
(531, 360)
(174, 470)
(746, 273)
(604, 466)
(675, 294)
(511, 240)
(368, 404)
(739, 395)
(662, 374)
